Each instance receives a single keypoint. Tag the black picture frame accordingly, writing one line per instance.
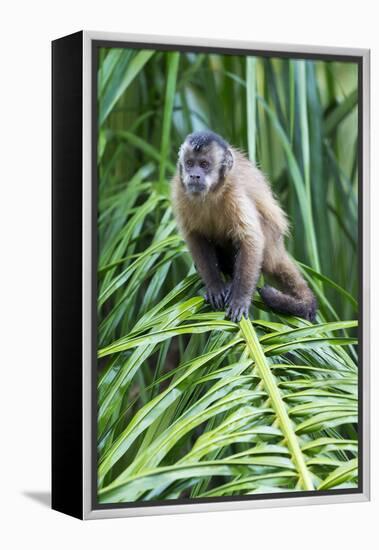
(74, 292)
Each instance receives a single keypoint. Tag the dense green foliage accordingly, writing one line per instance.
(190, 404)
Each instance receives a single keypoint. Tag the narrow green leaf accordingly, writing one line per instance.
(173, 59)
(340, 112)
(340, 475)
(251, 105)
(135, 66)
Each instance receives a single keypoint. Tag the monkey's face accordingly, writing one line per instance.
(204, 160)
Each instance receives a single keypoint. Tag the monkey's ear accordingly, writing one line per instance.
(180, 152)
(229, 160)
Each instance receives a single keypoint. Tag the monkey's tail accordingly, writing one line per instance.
(302, 306)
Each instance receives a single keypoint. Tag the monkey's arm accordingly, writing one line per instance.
(205, 259)
(246, 272)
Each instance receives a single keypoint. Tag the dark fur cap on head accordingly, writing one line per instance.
(204, 138)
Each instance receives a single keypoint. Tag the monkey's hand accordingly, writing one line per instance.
(215, 296)
(227, 292)
(238, 308)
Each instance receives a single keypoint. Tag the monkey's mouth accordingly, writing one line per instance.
(196, 188)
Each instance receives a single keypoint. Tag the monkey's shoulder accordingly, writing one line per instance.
(255, 187)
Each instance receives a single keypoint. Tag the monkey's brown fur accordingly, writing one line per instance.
(237, 228)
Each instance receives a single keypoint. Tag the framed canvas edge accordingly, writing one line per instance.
(87, 262)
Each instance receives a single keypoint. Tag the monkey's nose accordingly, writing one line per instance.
(194, 177)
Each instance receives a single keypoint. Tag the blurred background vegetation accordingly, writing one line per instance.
(297, 119)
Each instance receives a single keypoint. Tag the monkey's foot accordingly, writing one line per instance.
(237, 309)
(215, 297)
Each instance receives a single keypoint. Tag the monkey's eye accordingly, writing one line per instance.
(189, 163)
(204, 164)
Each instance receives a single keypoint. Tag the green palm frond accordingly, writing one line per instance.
(275, 415)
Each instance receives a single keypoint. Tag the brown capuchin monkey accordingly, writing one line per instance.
(234, 229)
